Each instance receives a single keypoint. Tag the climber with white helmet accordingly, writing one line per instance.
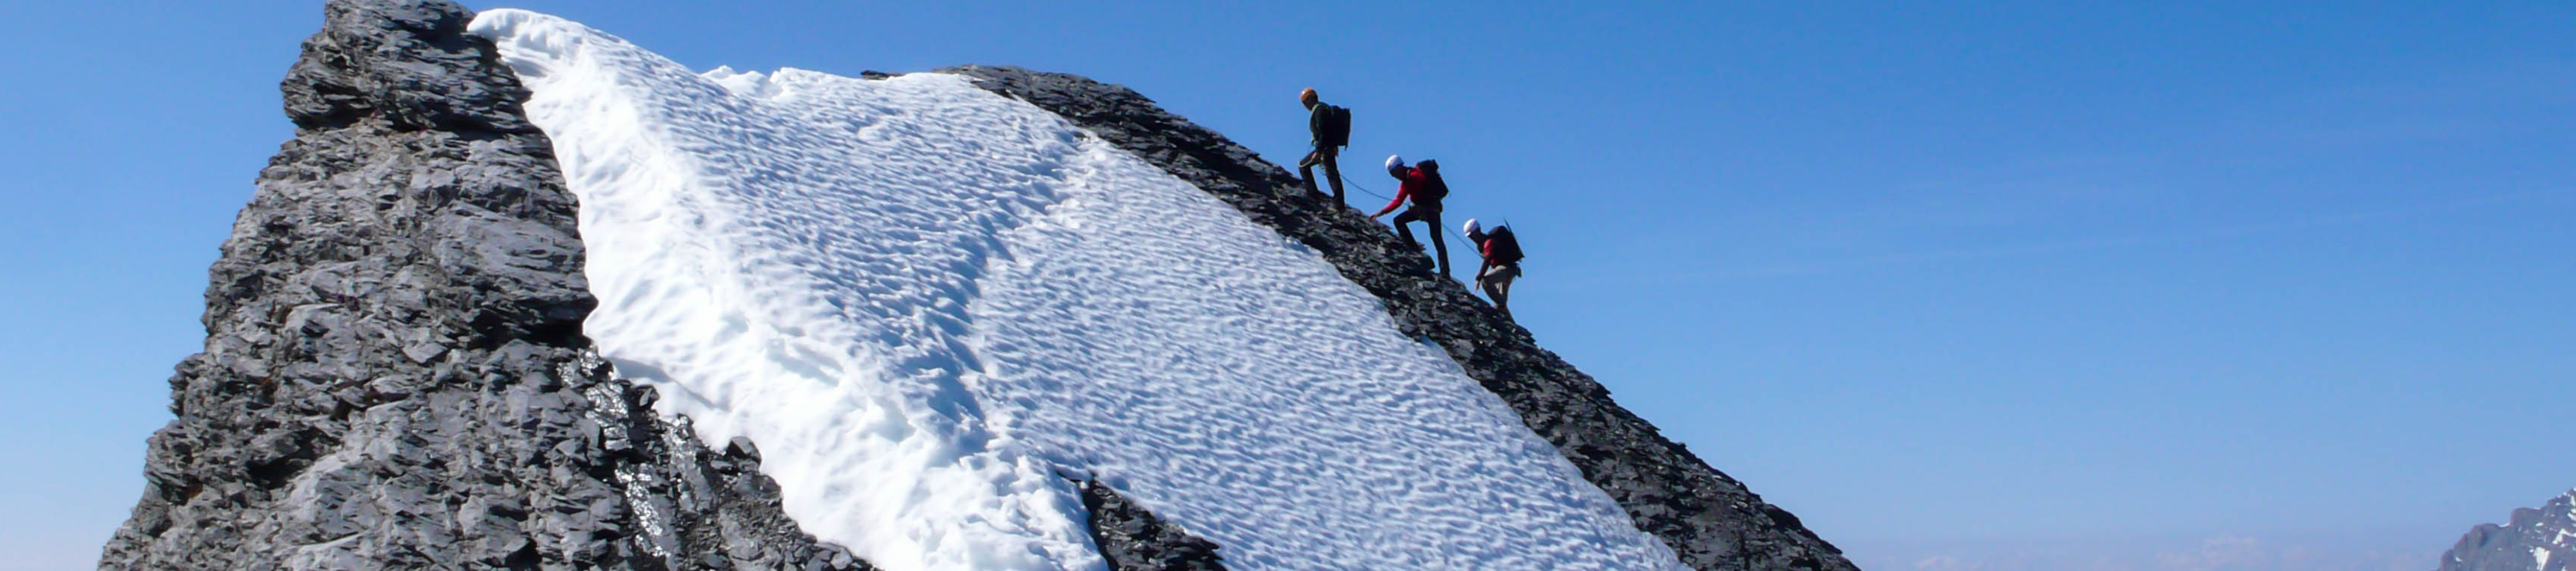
(1422, 185)
(1331, 127)
(1502, 254)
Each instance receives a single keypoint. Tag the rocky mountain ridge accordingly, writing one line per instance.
(2535, 539)
(395, 373)
(1710, 520)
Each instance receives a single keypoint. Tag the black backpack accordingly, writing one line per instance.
(1337, 126)
(1506, 249)
(1438, 189)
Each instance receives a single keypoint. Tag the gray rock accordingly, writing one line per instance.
(394, 373)
(1710, 520)
(2541, 539)
(1131, 538)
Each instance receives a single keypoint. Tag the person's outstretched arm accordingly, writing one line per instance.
(1402, 191)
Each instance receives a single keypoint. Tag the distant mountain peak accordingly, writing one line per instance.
(2534, 539)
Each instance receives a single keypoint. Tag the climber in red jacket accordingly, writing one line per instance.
(1423, 186)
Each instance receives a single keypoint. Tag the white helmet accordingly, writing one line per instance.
(1472, 228)
(1394, 162)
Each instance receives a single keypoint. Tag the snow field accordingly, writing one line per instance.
(929, 305)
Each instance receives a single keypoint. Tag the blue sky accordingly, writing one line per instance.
(2030, 285)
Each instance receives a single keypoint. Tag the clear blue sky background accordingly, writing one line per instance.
(2038, 285)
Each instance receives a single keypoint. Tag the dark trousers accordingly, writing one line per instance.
(1327, 156)
(1425, 213)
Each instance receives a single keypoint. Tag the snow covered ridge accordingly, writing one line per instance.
(929, 305)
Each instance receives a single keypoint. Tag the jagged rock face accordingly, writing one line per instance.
(1710, 520)
(394, 373)
(2535, 540)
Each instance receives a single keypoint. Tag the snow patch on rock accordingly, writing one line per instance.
(929, 305)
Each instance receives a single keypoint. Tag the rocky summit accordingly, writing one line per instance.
(394, 373)
(397, 374)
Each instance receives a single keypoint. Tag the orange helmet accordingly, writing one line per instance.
(1307, 96)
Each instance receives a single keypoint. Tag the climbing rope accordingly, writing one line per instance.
(1443, 227)
(1346, 181)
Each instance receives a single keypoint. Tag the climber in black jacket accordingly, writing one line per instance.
(1331, 127)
